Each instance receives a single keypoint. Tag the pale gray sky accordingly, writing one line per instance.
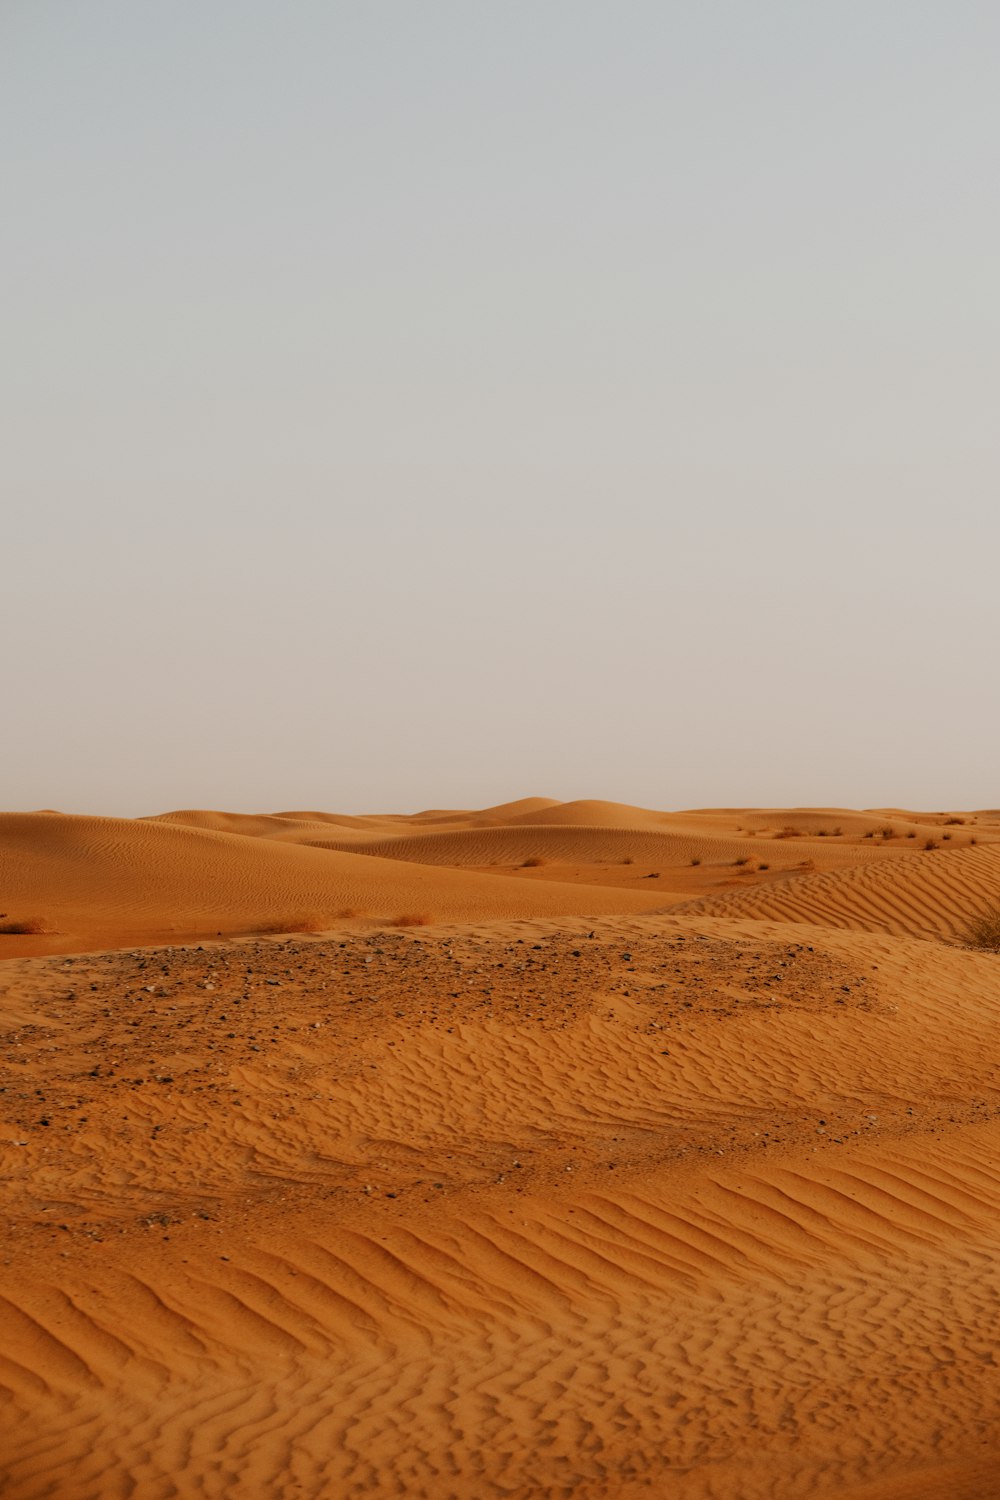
(408, 404)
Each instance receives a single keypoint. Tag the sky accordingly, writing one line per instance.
(428, 405)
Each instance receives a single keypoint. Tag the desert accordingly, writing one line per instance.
(549, 1149)
(499, 844)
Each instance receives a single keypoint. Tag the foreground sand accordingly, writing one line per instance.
(693, 1195)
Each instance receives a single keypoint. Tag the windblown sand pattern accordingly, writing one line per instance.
(926, 895)
(567, 1191)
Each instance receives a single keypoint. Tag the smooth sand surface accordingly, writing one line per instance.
(653, 1154)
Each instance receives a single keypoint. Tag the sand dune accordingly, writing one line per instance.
(933, 894)
(90, 882)
(596, 844)
(701, 1203)
(268, 825)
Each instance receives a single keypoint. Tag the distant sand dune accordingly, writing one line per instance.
(566, 843)
(292, 826)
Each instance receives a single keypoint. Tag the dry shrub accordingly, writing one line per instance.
(30, 927)
(930, 844)
(533, 862)
(912, 833)
(887, 832)
(954, 820)
(628, 860)
(743, 860)
(696, 859)
(788, 833)
(984, 931)
(414, 919)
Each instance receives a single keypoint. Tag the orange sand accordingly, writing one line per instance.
(592, 1179)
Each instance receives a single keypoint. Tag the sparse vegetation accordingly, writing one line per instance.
(931, 844)
(984, 931)
(628, 860)
(887, 832)
(532, 862)
(788, 832)
(743, 860)
(696, 859)
(954, 820)
(414, 919)
(912, 833)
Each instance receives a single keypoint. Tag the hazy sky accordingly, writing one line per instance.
(412, 403)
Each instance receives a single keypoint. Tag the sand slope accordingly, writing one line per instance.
(701, 1205)
(599, 845)
(103, 881)
(931, 894)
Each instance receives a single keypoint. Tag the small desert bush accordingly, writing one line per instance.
(628, 860)
(912, 833)
(696, 859)
(414, 919)
(788, 833)
(954, 820)
(887, 832)
(930, 843)
(743, 860)
(984, 931)
(30, 927)
(532, 862)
